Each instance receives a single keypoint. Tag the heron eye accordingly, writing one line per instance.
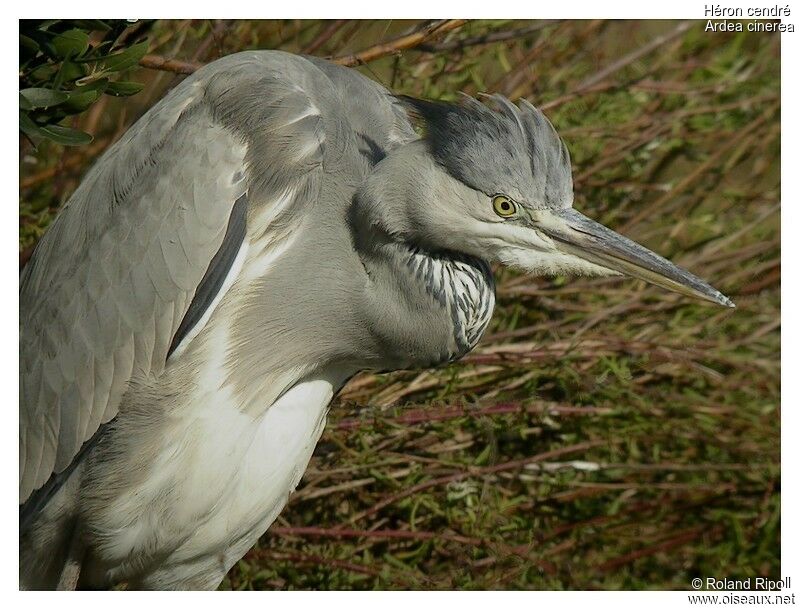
(503, 206)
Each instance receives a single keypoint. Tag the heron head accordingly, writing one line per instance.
(500, 187)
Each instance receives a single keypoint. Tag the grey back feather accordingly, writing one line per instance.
(111, 279)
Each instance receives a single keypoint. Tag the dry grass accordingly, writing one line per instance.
(605, 434)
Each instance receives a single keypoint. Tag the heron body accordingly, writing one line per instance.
(270, 228)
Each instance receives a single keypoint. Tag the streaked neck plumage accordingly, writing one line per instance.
(442, 300)
(462, 285)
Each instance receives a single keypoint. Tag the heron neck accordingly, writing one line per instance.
(462, 286)
(436, 305)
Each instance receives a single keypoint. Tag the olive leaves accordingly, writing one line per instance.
(65, 67)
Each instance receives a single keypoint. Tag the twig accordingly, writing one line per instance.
(399, 44)
(426, 416)
(668, 201)
(215, 36)
(382, 534)
(25, 256)
(157, 62)
(611, 157)
(489, 38)
(769, 279)
(325, 36)
(522, 550)
(508, 81)
(675, 541)
(631, 57)
(474, 472)
(310, 493)
(261, 554)
(70, 162)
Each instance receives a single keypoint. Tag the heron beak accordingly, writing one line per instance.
(580, 236)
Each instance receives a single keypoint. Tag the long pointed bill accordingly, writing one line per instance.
(583, 237)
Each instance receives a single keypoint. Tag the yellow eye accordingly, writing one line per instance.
(503, 206)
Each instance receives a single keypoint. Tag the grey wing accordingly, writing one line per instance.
(125, 268)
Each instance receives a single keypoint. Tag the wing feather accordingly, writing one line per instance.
(102, 284)
(115, 275)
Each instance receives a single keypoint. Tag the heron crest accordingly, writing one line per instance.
(513, 149)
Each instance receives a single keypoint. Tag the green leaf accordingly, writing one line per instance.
(28, 127)
(129, 57)
(43, 73)
(29, 44)
(47, 24)
(24, 104)
(89, 79)
(66, 135)
(80, 99)
(115, 63)
(72, 43)
(39, 97)
(70, 71)
(92, 25)
(124, 88)
(99, 84)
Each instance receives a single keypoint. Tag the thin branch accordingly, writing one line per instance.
(215, 36)
(628, 59)
(325, 36)
(669, 544)
(473, 472)
(425, 416)
(71, 162)
(157, 62)
(380, 534)
(670, 199)
(489, 38)
(522, 550)
(400, 44)
(25, 256)
(269, 556)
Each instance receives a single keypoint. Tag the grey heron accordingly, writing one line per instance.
(271, 227)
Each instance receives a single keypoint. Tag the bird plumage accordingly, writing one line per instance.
(271, 227)
(106, 291)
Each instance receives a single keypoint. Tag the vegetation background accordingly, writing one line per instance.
(605, 434)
